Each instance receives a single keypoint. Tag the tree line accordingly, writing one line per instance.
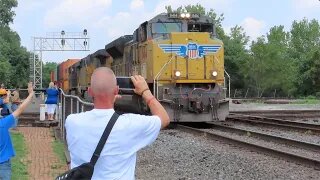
(285, 62)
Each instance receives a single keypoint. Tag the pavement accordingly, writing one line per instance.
(43, 163)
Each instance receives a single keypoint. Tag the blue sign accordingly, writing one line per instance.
(191, 50)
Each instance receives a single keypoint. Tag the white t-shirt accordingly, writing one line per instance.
(117, 160)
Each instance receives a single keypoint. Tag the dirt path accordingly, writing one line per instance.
(43, 163)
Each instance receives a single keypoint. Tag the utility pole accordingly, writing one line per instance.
(56, 41)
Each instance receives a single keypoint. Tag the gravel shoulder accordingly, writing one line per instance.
(278, 131)
(179, 155)
(262, 106)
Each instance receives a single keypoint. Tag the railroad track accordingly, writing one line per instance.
(267, 137)
(289, 149)
(281, 114)
(266, 121)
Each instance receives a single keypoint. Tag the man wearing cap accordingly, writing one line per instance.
(6, 147)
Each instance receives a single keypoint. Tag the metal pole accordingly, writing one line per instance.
(34, 61)
(60, 110)
(71, 105)
(82, 108)
(59, 115)
(77, 106)
(64, 115)
(41, 67)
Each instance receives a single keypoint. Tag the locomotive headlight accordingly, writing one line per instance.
(177, 73)
(183, 15)
(187, 15)
(214, 73)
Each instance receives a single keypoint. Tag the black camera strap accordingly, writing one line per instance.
(103, 139)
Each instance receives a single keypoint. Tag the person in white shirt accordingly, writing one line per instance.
(130, 133)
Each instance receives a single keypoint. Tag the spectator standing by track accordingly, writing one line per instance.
(6, 147)
(52, 100)
(130, 133)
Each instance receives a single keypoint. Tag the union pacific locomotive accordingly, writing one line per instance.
(181, 59)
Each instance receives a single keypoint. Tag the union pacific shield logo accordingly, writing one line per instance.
(191, 50)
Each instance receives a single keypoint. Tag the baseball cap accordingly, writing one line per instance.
(3, 92)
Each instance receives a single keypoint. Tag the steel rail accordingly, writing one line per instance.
(281, 154)
(293, 142)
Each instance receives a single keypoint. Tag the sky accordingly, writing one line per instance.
(106, 20)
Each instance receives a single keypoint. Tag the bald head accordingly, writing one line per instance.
(103, 81)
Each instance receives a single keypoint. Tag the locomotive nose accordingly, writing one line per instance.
(197, 56)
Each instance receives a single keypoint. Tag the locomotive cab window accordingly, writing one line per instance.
(164, 28)
(200, 28)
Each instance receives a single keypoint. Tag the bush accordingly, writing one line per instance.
(311, 97)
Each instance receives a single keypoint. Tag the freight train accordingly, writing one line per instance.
(181, 59)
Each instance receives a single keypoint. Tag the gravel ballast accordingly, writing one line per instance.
(179, 155)
(298, 150)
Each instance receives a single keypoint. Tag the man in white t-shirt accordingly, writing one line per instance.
(130, 133)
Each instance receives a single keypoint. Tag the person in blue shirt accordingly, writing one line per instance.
(52, 100)
(6, 122)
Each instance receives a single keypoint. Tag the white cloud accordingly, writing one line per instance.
(306, 6)
(220, 5)
(253, 27)
(81, 12)
(128, 22)
(136, 4)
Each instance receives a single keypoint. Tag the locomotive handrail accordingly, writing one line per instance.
(156, 79)
(229, 81)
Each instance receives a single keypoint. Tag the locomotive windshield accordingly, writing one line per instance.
(195, 27)
(164, 28)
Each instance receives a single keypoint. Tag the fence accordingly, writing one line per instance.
(70, 104)
(251, 93)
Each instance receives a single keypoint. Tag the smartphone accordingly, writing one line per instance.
(124, 82)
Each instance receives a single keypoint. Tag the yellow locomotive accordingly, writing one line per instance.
(182, 61)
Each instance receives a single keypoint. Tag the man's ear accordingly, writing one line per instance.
(116, 91)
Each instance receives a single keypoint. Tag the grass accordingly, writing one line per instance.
(58, 149)
(19, 163)
(307, 101)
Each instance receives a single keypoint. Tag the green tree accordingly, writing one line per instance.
(236, 55)
(255, 67)
(13, 57)
(304, 44)
(314, 72)
(283, 69)
(6, 12)
(270, 69)
(47, 69)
